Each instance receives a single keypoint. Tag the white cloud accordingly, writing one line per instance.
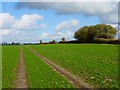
(6, 21)
(21, 36)
(44, 35)
(68, 25)
(48, 36)
(111, 19)
(70, 8)
(63, 29)
(67, 34)
(57, 36)
(28, 22)
(22, 29)
(106, 11)
(6, 32)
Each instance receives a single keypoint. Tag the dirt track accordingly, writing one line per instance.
(79, 83)
(21, 81)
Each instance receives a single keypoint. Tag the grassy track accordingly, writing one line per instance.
(40, 75)
(97, 64)
(10, 58)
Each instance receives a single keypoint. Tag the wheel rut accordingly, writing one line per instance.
(21, 80)
(76, 81)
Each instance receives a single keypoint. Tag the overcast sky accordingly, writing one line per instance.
(34, 21)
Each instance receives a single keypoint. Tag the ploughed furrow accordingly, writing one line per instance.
(78, 82)
(21, 81)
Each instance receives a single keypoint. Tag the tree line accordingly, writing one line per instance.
(13, 43)
(95, 32)
(87, 34)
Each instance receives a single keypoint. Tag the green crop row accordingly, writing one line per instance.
(10, 58)
(97, 64)
(40, 75)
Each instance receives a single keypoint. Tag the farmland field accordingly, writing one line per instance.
(10, 57)
(40, 75)
(97, 64)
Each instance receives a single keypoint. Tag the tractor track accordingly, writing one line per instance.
(78, 82)
(21, 76)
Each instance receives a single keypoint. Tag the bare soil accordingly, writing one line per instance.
(22, 81)
(78, 82)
